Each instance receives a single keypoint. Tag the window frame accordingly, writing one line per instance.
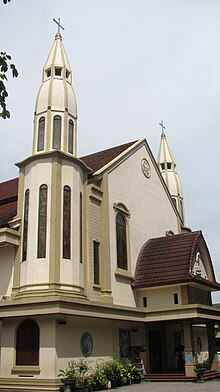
(27, 350)
(121, 209)
(42, 222)
(25, 225)
(57, 128)
(41, 134)
(67, 230)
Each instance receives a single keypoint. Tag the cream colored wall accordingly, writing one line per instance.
(198, 296)
(71, 270)
(47, 354)
(6, 265)
(105, 334)
(200, 331)
(159, 297)
(34, 270)
(151, 212)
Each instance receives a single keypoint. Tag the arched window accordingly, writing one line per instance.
(41, 130)
(70, 136)
(56, 132)
(66, 221)
(121, 241)
(25, 225)
(27, 343)
(42, 222)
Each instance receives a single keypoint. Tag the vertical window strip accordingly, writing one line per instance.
(41, 131)
(57, 132)
(42, 222)
(25, 227)
(96, 262)
(66, 221)
(80, 227)
(70, 136)
(121, 241)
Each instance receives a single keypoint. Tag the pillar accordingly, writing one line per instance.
(189, 358)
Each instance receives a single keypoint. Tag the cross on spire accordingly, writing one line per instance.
(59, 25)
(162, 126)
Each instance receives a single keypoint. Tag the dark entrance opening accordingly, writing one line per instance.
(155, 351)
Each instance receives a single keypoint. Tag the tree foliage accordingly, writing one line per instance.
(5, 66)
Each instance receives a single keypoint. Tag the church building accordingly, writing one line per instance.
(95, 254)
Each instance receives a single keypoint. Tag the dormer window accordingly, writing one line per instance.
(169, 165)
(162, 166)
(48, 72)
(58, 71)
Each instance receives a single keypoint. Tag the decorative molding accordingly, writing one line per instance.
(145, 166)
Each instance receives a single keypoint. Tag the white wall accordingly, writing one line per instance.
(151, 211)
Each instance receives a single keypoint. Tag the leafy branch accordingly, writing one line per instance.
(5, 66)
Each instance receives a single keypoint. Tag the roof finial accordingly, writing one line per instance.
(162, 126)
(59, 25)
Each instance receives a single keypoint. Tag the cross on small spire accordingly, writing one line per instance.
(162, 126)
(59, 25)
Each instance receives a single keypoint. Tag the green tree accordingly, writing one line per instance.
(5, 66)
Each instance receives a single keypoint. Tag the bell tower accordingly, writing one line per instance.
(55, 117)
(167, 166)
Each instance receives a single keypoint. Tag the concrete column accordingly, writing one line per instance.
(189, 359)
(212, 346)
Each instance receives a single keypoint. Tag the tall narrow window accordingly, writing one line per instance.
(70, 136)
(27, 344)
(175, 298)
(80, 226)
(96, 262)
(56, 132)
(42, 222)
(41, 131)
(66, 221)
(25, 225)
(121, 241)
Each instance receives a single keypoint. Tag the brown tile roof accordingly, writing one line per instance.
(8, 200)
(168, 260)
(8, 189)
(99, 159)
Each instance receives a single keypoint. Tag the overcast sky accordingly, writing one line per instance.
(134, 63)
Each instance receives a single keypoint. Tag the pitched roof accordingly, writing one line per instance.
(8, 200)
(8, 189)
(99, 159)
(168, 260)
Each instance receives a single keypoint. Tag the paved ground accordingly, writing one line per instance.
(155, 386)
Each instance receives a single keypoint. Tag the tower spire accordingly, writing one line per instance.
(55, 121)
(167, 166)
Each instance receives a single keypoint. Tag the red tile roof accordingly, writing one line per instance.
(7, 212)
(168, 260)
(8, 189)
(99, 159)
(8, 200)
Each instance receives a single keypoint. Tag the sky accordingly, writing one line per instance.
(134, 63)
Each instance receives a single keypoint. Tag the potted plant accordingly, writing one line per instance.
(200, 370)
(99, 379)
(76, 376)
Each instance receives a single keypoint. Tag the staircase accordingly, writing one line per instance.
(208, 375)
